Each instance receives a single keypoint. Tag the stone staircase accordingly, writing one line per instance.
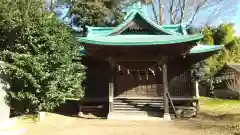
(152, 107)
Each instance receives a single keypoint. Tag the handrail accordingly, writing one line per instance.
(171, 102)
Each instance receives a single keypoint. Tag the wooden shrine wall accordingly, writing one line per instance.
(179, 78)
(135, 86)
(131, 85)
(97, 75)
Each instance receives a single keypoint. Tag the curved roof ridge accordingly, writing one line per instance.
(171, 25)
(132, 15)
(119, 27)
(156, 25)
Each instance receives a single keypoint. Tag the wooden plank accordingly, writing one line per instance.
(173, 107)
(92, 107)
(94, 100)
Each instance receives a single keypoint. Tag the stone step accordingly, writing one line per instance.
(134, 116)
(138, 112)
(132, 113)
(138, 101)
(138, 104)
(139, 98)
(137, 108)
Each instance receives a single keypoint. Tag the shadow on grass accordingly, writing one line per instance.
(222, 123)
(221, 117)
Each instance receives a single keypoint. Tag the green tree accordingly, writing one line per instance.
(95, 13)
(224, 35)
(37, 53)
(208, 36)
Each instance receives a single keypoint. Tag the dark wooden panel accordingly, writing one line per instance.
(97, 78)
(132, 86)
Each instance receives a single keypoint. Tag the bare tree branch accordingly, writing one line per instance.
(183, 6)
(154, 11)
(171, 10)
(196, 11)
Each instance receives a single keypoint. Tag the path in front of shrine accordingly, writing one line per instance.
(63, 125)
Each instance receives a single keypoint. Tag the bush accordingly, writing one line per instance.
(38, 53)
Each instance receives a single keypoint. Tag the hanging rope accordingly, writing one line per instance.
(137, 70)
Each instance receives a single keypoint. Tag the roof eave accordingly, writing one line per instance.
(109, 43)
(210, 49)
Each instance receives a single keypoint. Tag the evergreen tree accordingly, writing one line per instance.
(223, 35)
(95, 13)
(37, 53)
(208, 36)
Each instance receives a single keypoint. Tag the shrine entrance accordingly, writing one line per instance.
(140, 66)
(138, 79)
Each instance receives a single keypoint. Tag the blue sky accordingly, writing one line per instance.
(227, 16)
(237, 19)
(229, 9)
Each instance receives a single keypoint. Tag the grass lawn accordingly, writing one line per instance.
(218, 115)
(219, 106)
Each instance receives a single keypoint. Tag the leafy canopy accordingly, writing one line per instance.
(222, 35)
(95, 13)
(37, 52)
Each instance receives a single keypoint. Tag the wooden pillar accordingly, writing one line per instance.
(111, 84)
(196, 89)
(165, 96)
(196, 95)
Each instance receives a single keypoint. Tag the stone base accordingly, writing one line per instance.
(166, 116)
(110, 116)
(121, 116)
(80, 114)
(41, 115)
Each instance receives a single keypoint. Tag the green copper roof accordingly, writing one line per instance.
(136, 15)
(205, 48)
(104, 31)
(164, 35)
(99, 31)
(179, 28)
(139, 40)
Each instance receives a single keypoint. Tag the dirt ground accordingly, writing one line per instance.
(63, 125)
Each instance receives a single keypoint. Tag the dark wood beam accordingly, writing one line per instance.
(165, 87)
